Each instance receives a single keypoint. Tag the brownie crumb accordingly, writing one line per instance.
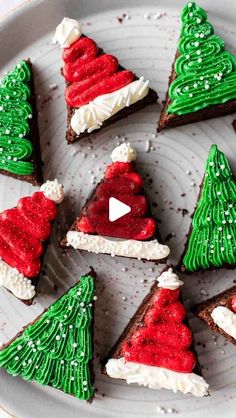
(184, 212)
(169, 236)
(121, 18)
(234, 125)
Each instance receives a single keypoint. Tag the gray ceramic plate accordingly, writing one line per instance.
(147, 44)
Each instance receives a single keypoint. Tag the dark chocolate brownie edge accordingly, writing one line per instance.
(36, 178)
(204, 309)
(91, 368)
(170, 120)
(137, 318)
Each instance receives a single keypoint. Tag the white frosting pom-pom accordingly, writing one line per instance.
(67, 32)
(53, 190)
(124, 153)
(169, 280)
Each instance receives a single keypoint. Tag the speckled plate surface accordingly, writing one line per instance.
(144, 38)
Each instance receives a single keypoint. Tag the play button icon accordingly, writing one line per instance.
(117, 209)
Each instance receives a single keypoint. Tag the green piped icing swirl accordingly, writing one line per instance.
(56, 349)
(205, 72)
(212, 241)
(15, 112)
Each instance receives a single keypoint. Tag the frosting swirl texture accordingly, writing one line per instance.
(205, 72)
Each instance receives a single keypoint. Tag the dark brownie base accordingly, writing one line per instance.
(203, 310)
(90, 273)
(137, 321)
(36, 179)
(71, 135)
(169, 120)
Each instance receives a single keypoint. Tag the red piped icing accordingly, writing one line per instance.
(162, 340)
(233, 303)
(91, 73)
(123, 183)
(22, 231)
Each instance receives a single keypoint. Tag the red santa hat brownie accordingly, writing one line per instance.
(23, 230)
(98, 90)
(133, 233)
(156, 348)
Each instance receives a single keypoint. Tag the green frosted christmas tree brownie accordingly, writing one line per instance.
(19, 136)
(203, 80)
(57, 348)
(212, 237)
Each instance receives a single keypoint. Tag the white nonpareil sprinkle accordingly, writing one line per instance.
(147, 146)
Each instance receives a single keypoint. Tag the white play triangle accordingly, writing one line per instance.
(117, 209)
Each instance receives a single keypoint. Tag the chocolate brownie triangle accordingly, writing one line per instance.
(219, 312)
(156, 348)
(99, 91)
(203, 78)
(211, 238)
(19, 136)
(133, 234)
(57, 348)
